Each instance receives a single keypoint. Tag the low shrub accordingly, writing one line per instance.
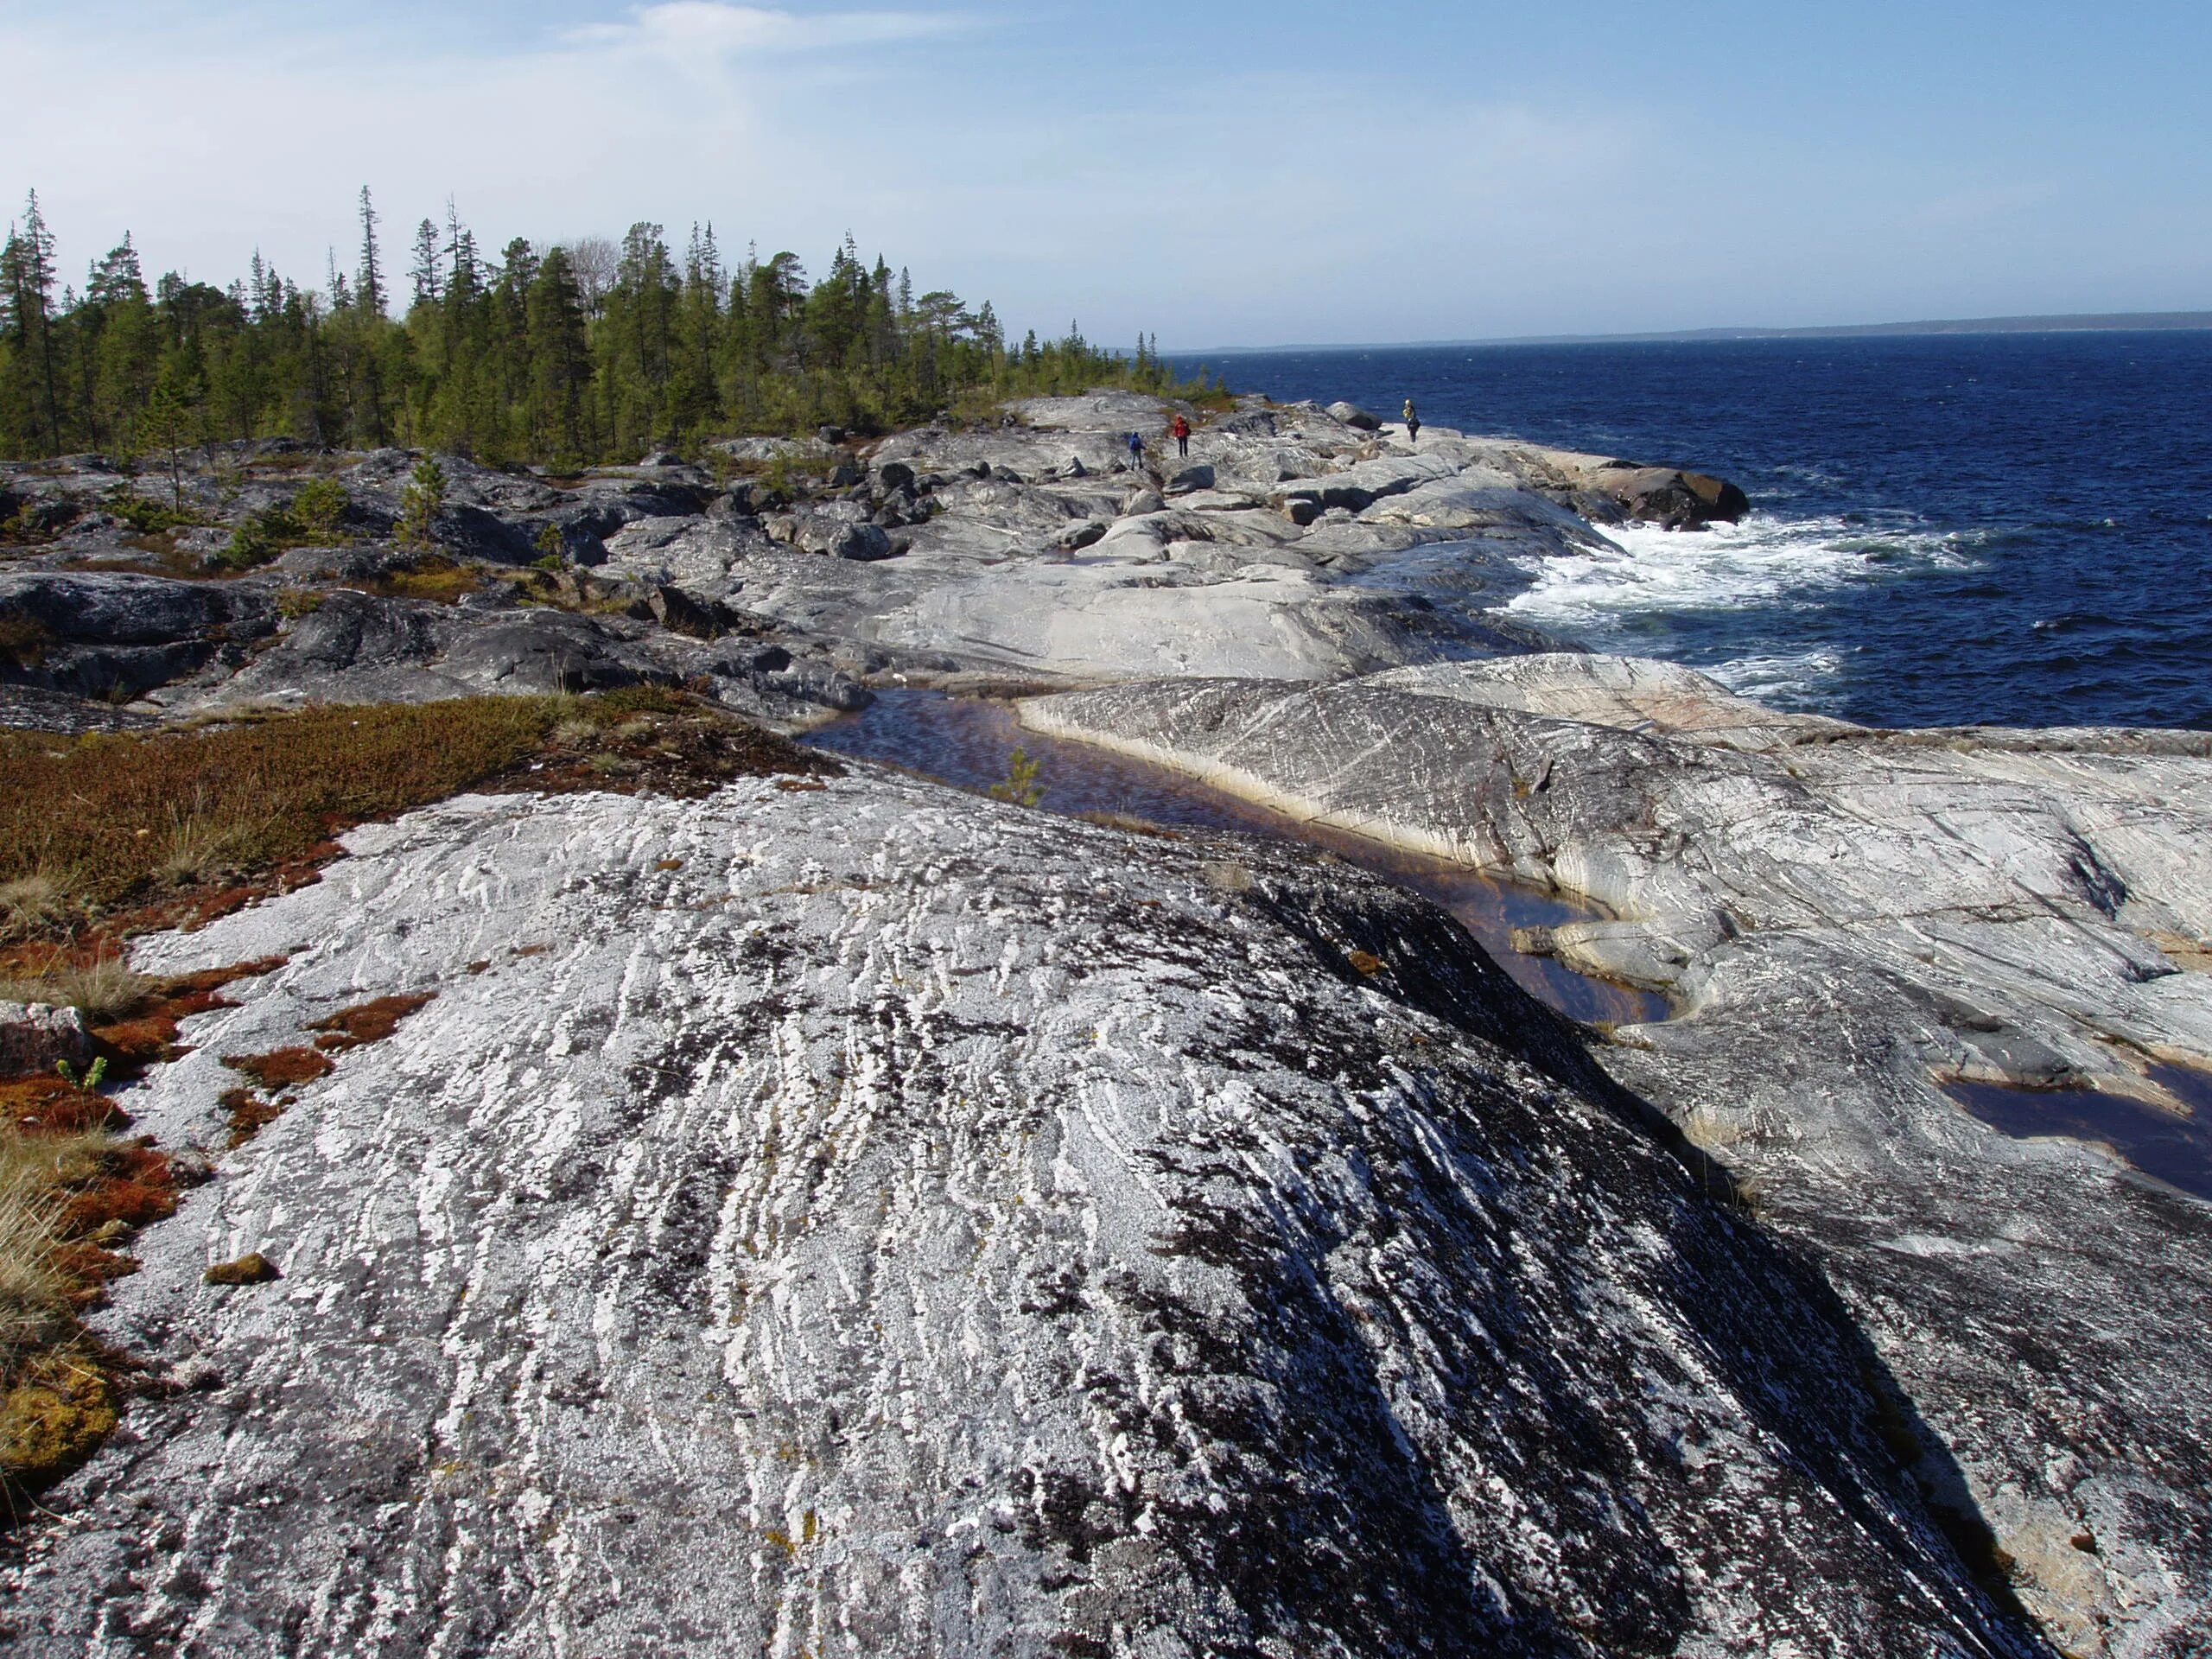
(436, 578)
(260, 536)
(23, 641)
(147, 517)
(320, 507)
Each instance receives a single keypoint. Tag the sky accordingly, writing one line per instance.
(1217, 172)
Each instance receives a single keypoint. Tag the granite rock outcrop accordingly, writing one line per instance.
(852, 1221)
(1283, 547)
(1853, 923)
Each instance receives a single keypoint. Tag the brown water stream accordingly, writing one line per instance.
(968, 743)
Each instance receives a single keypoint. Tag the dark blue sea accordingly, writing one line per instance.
(2003, 528)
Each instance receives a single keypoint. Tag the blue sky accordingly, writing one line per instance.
(1223, 174)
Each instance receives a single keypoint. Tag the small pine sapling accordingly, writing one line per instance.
(1019, 784)
(420, 503)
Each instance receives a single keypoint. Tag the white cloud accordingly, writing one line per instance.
(1008, 155)
(1268, 206)
(689, 28)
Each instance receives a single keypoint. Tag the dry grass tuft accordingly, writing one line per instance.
(1130, 824)
(437, 578)
(57, 1400)
(30, 902)
(34, 1293)
(1710, 1129)
(105, 990)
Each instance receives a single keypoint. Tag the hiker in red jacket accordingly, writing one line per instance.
(1181, 431)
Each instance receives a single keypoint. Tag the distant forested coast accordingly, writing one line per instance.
(588, 351)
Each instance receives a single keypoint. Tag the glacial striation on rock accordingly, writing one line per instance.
(1847, 919)
(868, 1219)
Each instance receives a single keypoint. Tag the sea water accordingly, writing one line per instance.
(2013, 529)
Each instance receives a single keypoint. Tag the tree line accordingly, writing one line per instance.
(588, 351)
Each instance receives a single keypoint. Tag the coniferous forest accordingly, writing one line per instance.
(561, 355)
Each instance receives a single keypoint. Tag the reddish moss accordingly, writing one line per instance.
(248, 1113)
(281, 1068)
(365, 1022)
(48, 1104)
(134, 1186)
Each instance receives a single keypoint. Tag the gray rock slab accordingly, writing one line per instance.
(880, 1221)
(1845, 918)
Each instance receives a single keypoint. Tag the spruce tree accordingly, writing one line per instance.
(368, 282)
(430, 281)
(27, 274)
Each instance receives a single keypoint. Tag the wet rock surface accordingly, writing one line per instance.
(1846, 917)
(848, 1220)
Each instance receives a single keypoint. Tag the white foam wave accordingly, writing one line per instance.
(1783, 681)
(1762, 562)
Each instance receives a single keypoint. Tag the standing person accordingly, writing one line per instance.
(1181, 429)
(1136, 450)
(1413, 423)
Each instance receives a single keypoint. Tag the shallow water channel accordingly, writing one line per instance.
(968, 743)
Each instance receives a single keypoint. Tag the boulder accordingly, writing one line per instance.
(545, 651)
(1353, 416)
(119, 634)
(34, 1036)
(1679, 501)
(126, 608)
(862, 543)
(1199, 477)
(679, 613)
(895, 475)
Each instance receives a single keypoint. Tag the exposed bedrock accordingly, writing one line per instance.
(1845, 917)
(1289, 544)
(868, 1219)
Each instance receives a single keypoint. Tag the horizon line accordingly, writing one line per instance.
(2052, 322)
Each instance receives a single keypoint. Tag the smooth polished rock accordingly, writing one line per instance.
(1847, 918)
(881, 1220)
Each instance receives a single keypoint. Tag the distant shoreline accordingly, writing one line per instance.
(2079, 323)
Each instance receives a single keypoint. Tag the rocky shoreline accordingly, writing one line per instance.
(879, 1219)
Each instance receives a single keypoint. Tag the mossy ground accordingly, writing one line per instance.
(105, 836)
(177, 826)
